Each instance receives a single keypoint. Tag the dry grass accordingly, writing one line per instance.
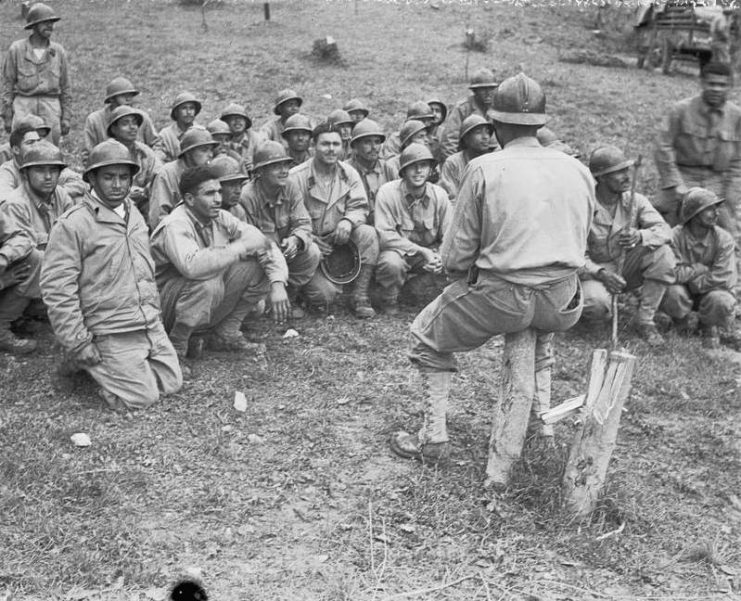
(299, 497)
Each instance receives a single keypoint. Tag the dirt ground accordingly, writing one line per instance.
(299, 497)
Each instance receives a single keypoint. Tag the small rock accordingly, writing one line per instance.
(227, 428)
(240, 401)
(291, 333)
(255, 439)
(327, 96)
(80, 439)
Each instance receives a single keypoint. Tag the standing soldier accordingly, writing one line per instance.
(35, 76)
(483, 85)
(184, 111)
(511, 273)
(335, 197)
(411, 217)
(119, 91)
(367, 139)
(474, 140)
(244, 139)
(297, 134)
(97, 281)
(649, 262)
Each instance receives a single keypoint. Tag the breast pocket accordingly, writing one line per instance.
(690, 141)
(729, 147)
(28, 77)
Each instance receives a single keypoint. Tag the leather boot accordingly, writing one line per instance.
(227, 336)
(360, 300)
(12, 306)
(652, 292)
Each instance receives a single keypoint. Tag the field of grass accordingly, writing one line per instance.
(299, 497)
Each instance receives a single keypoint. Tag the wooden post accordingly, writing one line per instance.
(511, 415)
(266, 10)
(609, 387)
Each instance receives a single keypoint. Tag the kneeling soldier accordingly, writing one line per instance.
(649, 261)
(212, 269)
(97, 281)
(706, 270)
(411, 218)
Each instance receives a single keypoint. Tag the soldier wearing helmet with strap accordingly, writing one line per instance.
(35, 76)
(475, 139)
(411, 217)
(516, 241)
(244, 140)
(287, 103)
(185, 108)
(97, 281)
(345, 123)
(297, 135)
(420, 112)
(34, 208)
(232, 179)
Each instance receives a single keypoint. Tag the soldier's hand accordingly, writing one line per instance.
(280, 306)
(612, 281)
(15, 275)
(324, 246)
(630, 237)
(290, 247)
(434, 263)
(89, 355)
(342, 232)
(137, 193)
(64, 126)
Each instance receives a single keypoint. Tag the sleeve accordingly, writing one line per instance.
(17, 238)
(654, 230)
(388, 224)
(300, 219)
(721, 273)
(685, 270)
(89, 137)
(61, 270)
(65, 95)
(449, 140)
(269, 256)
(445, 215)
(149, 134)
(9, 78)
(732, 184)
(447, 180)
(356, 208)
(160, 199)
(664, 154)
(462, 240)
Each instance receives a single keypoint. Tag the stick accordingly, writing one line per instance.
(618, 530)
(621, 258)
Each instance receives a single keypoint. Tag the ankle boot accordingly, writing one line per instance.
(360, 300)
(12, 306)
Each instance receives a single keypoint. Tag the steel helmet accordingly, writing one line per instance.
(109, 152)
(285, 96)
(218, 127)
(519, 100)
(410, 129)
(414, 153)
(227, 169)
(441, 104)
(695, 201)
(607, 159)
(340, 117)
(268, 153)
(42, 153)
(182, 98)
(123, 111)
(356, 105)
(472, 122)
(30, 122)
(118, 86)
(39, 13)
(195, 137)
(365, 129)
(236, 110)
(297, 122)
(419, 110)
(342, 265)
(483, 78)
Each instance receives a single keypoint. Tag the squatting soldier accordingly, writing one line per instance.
(274, 204)
(212, 269)
(511, 273)
(417, 111)
(357, 109)
(13, 275)
(287, 103)
(474, 140)
(183, 112)
(335, 198)
(649, 261)
(437, 129)
(706, 271)
(344, 122)
(119, 91)
(97, 281)
(483, 85)
(197, 148)
(228, 172)
(33, 208)
(297, 135)
(411, 217)
(125, 123)
(699, 144)
(35, 77)
(367, 139)
(244, 140)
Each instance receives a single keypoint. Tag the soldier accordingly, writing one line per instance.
(34, 208)
(213, 270)
(344, 122)
(335, 198)
(437, 129)
(412, 132)
(417, 111)
(287, 103)
(197, 148)
(222, 135)
(12, 276)
(119, 91)
(297, 134)
(411, 217)
(649, 262)
(275, 205)
(35, 78)
(511, 273)
(183, 112)
(97, 281)
(483, 85)
(698, 145)
(29, 122)
(228, 172)
(474, 140)
(124, 126)
(367, 139)
(706, 272)
(244, 139)
(357, 110)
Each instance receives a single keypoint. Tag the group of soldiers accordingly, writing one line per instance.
(173, 241)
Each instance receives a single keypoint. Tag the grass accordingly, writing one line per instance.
(299, 498)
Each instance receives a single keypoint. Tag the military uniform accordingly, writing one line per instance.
(373, 179)
(96, 129)
(165, 191)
